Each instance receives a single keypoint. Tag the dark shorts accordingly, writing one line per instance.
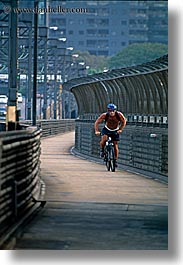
(114, 135)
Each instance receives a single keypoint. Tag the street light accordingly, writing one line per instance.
(62, 39)
(53, 27)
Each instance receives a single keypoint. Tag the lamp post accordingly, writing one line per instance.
(29, 73)
(43, 33)
(55, 45)
(34, 107)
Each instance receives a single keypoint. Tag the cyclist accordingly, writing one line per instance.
(114, 124)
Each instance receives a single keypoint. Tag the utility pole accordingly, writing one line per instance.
(12, 117)
(55, 87)
(28, 107)
(45, 78)
(34, 105)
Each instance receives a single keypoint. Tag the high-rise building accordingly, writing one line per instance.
(106, 27)
(158, 22)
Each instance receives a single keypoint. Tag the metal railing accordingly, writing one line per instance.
(143, 146)
(145, 120)
(20, 182)
(52, 127)
(136, 89)
(21, 186)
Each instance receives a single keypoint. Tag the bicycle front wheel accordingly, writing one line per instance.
(110, 160)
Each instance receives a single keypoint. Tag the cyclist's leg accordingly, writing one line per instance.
(103, 141)
(115, 139)
(104, 137)
(102, 145)
(116, 151)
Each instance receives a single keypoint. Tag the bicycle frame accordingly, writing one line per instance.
(109, 157)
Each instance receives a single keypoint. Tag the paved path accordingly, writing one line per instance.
(90, 208)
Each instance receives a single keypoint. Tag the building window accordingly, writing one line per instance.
(81, 32)
(103, 11)
(103, 32)
(92, 52)
(81, 43)
(103, 22)
(92, 11)
(103, 53)
(91, 32)
(114, 12)
(123, 22)
(91, 43)
(91, 21)
(103, 44)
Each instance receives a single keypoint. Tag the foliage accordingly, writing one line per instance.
(133, 54)
(136, 53)
(96, 63)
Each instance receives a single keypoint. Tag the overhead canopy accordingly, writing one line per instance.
(138, 89)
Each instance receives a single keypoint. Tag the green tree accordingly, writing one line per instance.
(96, 64)
(136, 53)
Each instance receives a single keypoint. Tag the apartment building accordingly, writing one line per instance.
(106, 27)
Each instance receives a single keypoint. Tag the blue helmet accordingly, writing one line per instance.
(112, 106)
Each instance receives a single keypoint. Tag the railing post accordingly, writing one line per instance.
(1, 146)
(15, 206)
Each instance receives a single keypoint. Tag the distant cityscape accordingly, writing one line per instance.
(106, 27)
(65, 28)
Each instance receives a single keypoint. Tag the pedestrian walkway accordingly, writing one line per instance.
(90, 208)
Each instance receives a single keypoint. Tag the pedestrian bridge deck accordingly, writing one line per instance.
(90, 208)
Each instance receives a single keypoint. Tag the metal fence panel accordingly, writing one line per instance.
(141, 147)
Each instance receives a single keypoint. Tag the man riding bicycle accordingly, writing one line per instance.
(114, 124)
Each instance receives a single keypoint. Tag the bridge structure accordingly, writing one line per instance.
(141, 94)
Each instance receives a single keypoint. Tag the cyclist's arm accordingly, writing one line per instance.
(122, 120)
(98, 121)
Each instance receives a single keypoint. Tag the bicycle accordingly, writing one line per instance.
(109, 157)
